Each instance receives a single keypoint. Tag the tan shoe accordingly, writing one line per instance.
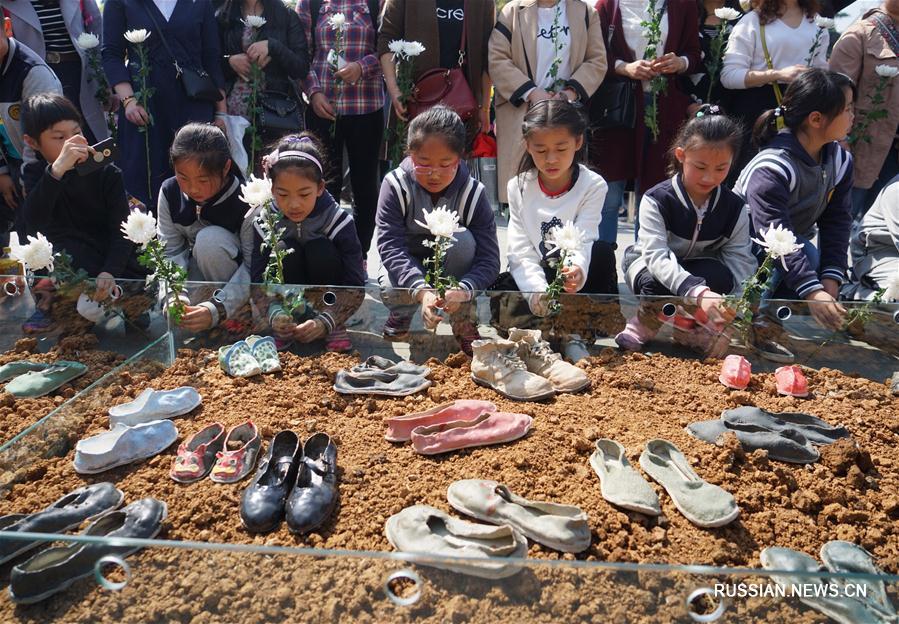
(495, 364)
(542, 360)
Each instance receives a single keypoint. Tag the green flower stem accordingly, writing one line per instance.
(555, 288)
(713, 64)
(745, 305)
(435, 276)
(143, 97)
(274, 269)
(404, 82)
(254, 108)
(659, 84)
(164, 270)
(867, 117)
(101, 94)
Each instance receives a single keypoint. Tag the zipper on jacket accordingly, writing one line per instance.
(695, 234)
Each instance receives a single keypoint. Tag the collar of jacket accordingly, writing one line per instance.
(684, 197)
(217, 210)
(786, 140)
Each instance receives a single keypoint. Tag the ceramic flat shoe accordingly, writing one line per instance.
(541, 360)
(561, 527)
(315, 493)
(238, 457)
(40, 383)
(237, 360)
(428, 531)
(123, 445)
(53, 570)
(20, 367)
(399, 428)
(262, 503)
(817, 431)
(379, 382)
(791, 381)
(619, 483)
(488, 428)
(67, 513)
(841, 609)
(378, 363)
(735, 372)
(155, 405)
(702, 503)
(495, 364)
(842, 557)
(197, 454)
(785, 444)
(265, 350)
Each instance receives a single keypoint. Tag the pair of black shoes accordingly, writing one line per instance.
(295, 481)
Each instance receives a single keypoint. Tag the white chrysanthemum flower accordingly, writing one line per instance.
(779, 242)
(824, 22)
(256, 191)
(137, 36)
(746, 5)
(36, 255)
(442, 223)
(87, 41)
(139, 227)
(886, 71)
(727, 14)
(568, 238)
(413, 48)
(254, 21)
(337, 21)
(398, 47)
(892, 291)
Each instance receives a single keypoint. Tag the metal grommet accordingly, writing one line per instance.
(329, 298)
(408, 575)
(704, 617)
(669, 309)
(784, 312)
(896, 317)
(106, 583)
(116, 292)
(12, 289)
(219, 296)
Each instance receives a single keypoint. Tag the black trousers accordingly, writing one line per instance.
(602, 278)
(316, 262)
(69, 74)
(717, 277)
(361, 135)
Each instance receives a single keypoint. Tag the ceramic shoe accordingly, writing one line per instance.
(399, 428)
(314, 495)
(40, 383)
(262, 503)
(238, 457)
(403, 367)
(791, 381)
(488, 428)
(20, 367)
(154, 405)
(265, 350)
(495, 364)
(238, 360)
(123, 445)
(197, 454)
(378, 382)
(735, 372)
(542, 360)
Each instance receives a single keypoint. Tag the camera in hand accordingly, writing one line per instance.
(102, 154)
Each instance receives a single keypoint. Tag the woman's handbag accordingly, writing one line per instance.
(614, 104)
(280, 112)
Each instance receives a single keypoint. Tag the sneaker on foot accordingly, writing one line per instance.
(634, 335)
(575, 348)
(338, 341)
(397, 327)
(38, 323)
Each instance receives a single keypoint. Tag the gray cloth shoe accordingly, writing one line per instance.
(428, 531)
(619, 483)
(378, 363)
(123, 445)
(812, 428)
(155, 404)
(703, 503)
(842, 609)
(561, 527)
(20, 367)
(787, 445)
(379, 382)
(846, 557)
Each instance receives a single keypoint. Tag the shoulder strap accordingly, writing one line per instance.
(159, 31)
(315, 8)
(374, 10)
(464, 41)
(777, 94)
(887, 31)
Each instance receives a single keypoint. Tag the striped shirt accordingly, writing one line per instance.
(56, 34)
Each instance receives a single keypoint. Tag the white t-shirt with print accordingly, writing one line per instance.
(546, 47)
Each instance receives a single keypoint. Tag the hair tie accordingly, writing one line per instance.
(708, 109)
(270, 160)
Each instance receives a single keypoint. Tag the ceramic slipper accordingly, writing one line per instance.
(155, 404)
(702, 503)
(791, 381)
(561, 527)
(736, 372)
(428, 531)
(846, 557)
(238, 360)
(841, 609)
(238, 457)
(813, 428)
(40, 383)
(488, 428)
(619, 483)
(786, 445)
(266, 353)
(378, 382)
(378, 363)
(197, 454)
(20, 367)
(399, 428)
(123, 445)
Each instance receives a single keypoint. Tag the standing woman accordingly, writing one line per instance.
(622, 154)
(697, 85)
(51, 28)
(347, 105)
(787, 29)
(438, 25)
(540, 49)
(190, 29)
(867, 44)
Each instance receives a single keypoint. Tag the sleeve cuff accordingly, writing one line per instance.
(579, 89)
(466, 285)
(834, 273)
(693, 290)
(326, 318)
(370, 66)
(619, 63)
(686, 65)
(212, 310)
(522, 92)
(808, 288)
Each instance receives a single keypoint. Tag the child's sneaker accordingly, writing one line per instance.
(38, 323)
(634, 336)
(338, 341)
(574, 348)
(465, 332)
(396, 327)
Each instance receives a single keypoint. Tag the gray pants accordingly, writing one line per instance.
(213, 259)
(878, 266)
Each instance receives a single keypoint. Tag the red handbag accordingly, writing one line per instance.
(445, 86)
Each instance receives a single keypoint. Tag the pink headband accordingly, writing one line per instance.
(269, 160)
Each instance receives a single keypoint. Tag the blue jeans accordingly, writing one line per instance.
(776, 288)
(608, 226)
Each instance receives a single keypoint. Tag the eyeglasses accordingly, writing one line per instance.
(429, 170)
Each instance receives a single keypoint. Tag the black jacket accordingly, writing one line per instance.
(287, 44)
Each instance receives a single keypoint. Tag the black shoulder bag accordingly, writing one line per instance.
(614, 104)
(196, 82)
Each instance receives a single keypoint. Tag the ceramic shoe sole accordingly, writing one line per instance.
(539, 397)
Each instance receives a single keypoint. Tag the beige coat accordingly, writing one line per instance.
(512, 56)
(860, 49)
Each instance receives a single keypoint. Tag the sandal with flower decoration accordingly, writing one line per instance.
(238, 457)
(196, 456)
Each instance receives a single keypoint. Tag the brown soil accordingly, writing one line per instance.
(852, 493)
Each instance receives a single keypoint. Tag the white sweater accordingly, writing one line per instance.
(532, 215)
(787, 46)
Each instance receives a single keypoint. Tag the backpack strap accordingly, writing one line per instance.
(777, 93)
